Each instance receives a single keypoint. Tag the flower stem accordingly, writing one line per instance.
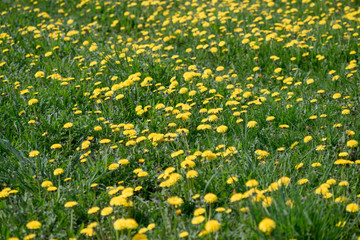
(59, 188)
(71, 220)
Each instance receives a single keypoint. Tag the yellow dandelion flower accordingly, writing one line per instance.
(34, 153)
(46, 184)
(106, 211)
(183, 234)
(308, 139)
(352, 143)
(39, 74)
(68, 125)
(176, 201)
(192, 174)
(232, 180)
(251, 124)
(222, 129)
(33, 225)
(70, 204)
(56, 146)
(58, 171)
(197, 220)
(30, 236)
(88, 231)
(93, 210)
(51, 189)
(113, 166)
(212, 226)
(105, 140)
(252, 183)
(139, 236)
(210, 198)
(352, 207)
(122, 223)
(267, 225)
(32, 101)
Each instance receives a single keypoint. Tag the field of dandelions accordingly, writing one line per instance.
(179, 119)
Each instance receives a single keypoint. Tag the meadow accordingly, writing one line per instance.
(179, 119)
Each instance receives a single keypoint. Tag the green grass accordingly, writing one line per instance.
(164, 58)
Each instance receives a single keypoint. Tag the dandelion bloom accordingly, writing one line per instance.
(231, 180)
(176, 201)
(93, 210)
(352, 143)
(143, 174)
(122, 223)
(343, 162)
(39, 74)
(267, 201)
(220, 209)
(212, 226)
(343, 183)
(70, 204)
(267, 225)
(350, 133)
(197, 220)
(284, 180)
(273, 187)
(85, 144)
(46, 184)
(106, 211)
(320, 148)
(336, 26)
(68, 125)
(317, 164)
(105, 140)
(113, 166)
(252, 183)
(34, 153)
(336, 96)
(151, 226)
(183, 234)
(298, 166)
(341, 199)
(302, 181)
(29, 236)
(33, 225)
(51, 189)
(58, 171)
(88, 231)
(210, 198)
(118, 201)
(199, 211)
(56, 146)
(352, 207)
(97, 128)
(192, 174)
(270, 118)
(237, 197)
(139, 236)
(93, 224)
(32, 101)
(123, 161)
(222, 129)
(308, 139)
(251, 124)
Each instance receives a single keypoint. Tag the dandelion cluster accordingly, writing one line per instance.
(179, 119)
